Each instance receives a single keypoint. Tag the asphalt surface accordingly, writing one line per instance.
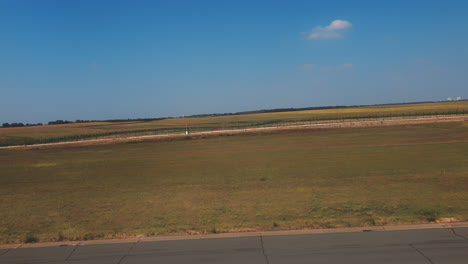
(423, 246)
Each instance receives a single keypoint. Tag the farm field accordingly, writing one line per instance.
(284, 180)
(80, 131)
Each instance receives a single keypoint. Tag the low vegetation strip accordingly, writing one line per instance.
(289, 180)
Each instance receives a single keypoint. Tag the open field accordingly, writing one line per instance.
(80, 131)
(283, 180)
(247, 131)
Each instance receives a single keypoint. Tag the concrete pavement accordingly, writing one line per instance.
(428, 246)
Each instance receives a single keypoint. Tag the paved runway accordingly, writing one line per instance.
(424, 246)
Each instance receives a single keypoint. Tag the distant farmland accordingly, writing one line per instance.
(296, 179)
(80, 131)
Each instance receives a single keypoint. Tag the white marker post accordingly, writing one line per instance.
(187, 131)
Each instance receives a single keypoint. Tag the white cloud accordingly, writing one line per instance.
(339, 25)
(334, 30)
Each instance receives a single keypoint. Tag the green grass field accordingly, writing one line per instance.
(70, 132)
(302, 179)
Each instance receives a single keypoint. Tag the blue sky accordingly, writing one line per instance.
(128, 59)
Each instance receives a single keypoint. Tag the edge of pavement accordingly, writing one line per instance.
(138, 239)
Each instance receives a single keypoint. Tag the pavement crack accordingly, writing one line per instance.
(71, 253)
(421, 253)
(458, 235)
(128, 251)
(1, 254)
(263, 249)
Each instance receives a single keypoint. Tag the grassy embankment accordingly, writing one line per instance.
(303, 179)
(70, 132)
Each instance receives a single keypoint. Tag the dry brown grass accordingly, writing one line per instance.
(290, 180)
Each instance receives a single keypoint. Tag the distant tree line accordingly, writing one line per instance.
(134, 119)
(307, 108)
(61, 122)
(291, 109)
(20, 124)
